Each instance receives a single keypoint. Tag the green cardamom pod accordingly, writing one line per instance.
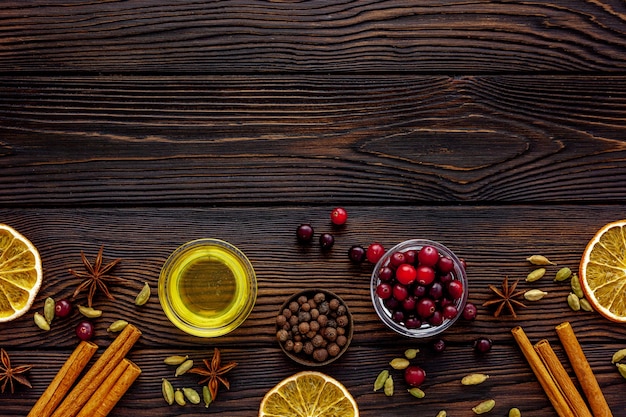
(206, 396)
(191, 395)
(442, 413)
(48, 310)
(534, 295)
(411, 353)
(536, 275)
(618, 356)
(563, 274)
(89, 312)
(143, 296)
(621, 368)
(515, 412)
(576, 288)
(380, 380)
(184, 367)
(388, 388)
(179, 397)
(484, 407)
(117, 326)
(585, 305)
(539, 260)
(416, 392)
(175, 359)
(474, 379)
(168, 391)
(399, 363)
(41, 321)
(573, 301)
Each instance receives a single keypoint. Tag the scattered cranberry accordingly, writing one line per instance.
(482, 345)
(338, 216)
(375, 251)
(62, 308)
(414, 375)
(470, 311)
(439, 345)
(455, 289)
(428, 255)
(326, 241)
(356, 254)
(406, 274)
(84, 330)
(304, 233)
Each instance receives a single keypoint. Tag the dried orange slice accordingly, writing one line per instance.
(602, 271)
(309, 394)
(20, 273)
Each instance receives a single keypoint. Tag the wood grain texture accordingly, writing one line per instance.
(314, 36)
(494, 240)
(250, 140)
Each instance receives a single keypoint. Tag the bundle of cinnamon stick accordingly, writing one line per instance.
(102, 386)
(553, 377)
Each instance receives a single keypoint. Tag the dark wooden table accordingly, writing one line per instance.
(495, 128)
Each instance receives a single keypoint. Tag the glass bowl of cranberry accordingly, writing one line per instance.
(419, 288)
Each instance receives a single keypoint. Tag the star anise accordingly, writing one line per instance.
(8, 374)
(505, 297)
(214, 373)
(96, 277)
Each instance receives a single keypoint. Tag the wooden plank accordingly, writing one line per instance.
(494, 241)
(311, 139)
(247, 36)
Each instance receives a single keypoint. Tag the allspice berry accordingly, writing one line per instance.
(320, 355)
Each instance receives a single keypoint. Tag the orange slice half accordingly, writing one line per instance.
(602, 271)
(309, 394)
(20, 273)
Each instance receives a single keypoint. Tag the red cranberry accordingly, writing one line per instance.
(326, 241)
(455, 289)
(450, 312)
(396, 259)
(338, 216)
(383, 290)
(469, 311)
(304, 233)
(419, 291)
(439, 345)
(400, 292)
(436, 319)
(414, 375)
(398, 316)
(84, 330)
(445, 279)
(356, 254)
(436, 291)
(406, 274)
(385, 273)
(463, 263)
(445, 265)
(409, 303)
(425, 275)
(375, 251)
(425, 307)
(391, 303)
(412, 323)
(428, 255)
(62, 308)
(410, 256)
(482, 345)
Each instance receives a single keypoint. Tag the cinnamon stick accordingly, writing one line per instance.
(111, 391)
(583, 371)
(64, 379)
(562, 379)
(100, 370)
(543, 376)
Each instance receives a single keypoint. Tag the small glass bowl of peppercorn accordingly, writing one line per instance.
(314, 327)
(419, 288)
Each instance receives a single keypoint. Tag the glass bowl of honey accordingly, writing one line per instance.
(207, 287)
